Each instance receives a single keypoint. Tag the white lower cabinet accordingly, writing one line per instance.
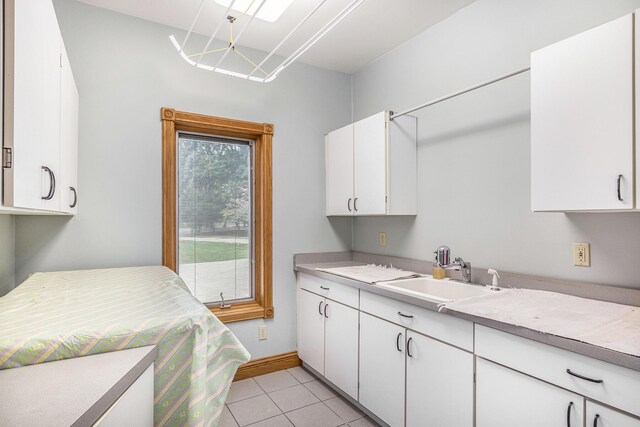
(601, 416)
(382, 369)
(414, 367)
(341, 347)
(439, 384)
(508, 398)
(311, 330)
(328, 340)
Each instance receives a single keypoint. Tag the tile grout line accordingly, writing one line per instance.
(232, 416)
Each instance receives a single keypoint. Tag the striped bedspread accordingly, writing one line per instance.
(60, 315)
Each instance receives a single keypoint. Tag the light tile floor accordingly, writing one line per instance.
(293, 397)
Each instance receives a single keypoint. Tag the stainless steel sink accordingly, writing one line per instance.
(437, 290)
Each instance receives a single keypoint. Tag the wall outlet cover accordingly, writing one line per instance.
(262, 332)
(581, 255)
(382, 238)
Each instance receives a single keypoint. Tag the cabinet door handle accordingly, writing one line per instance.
(320, 308)
(595, 420)
(324, 288)
(52, 184)
(582, 377)
(409, 347)
(325, 310)
(355, 206)
(75, 197)
(569, 414)
(349, 204)
(398, 342)
(408, 316)
(619, 195)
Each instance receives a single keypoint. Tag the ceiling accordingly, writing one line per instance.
(370, 31)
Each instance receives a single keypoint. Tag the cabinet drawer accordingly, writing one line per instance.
(620, 386)
(330, 290)
(449, 329)
(608, 417)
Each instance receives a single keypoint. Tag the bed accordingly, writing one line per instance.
(60, 315)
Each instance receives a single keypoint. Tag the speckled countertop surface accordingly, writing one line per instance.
(69, 392)
(502, 323)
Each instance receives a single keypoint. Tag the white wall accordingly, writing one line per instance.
(7, 241)
(126, 69)
(474, 151)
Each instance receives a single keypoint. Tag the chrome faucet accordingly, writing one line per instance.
(460, 265)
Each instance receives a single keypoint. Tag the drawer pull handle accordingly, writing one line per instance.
(320, 308)
(75, 197)
(595, 420)
(324, 288)
(355, 207)
(619, 195)
(408, 316)
(582, 377)
(569, 414)
(325, 310)
(398, 342)
(409, 347)
(52, 183)
(349, 204)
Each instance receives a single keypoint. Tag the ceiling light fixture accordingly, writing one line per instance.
(254, 8)
(271, 12)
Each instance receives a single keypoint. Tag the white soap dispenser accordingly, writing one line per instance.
(494, 280)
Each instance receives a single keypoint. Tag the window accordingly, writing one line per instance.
(215, 208)
(217, 211)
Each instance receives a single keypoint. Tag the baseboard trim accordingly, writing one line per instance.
(267, 365)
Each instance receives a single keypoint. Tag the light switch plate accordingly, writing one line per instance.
(382, 238)
(581, 255)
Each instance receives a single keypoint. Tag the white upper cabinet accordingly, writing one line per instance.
(369, 156)
(40, 111)
(339, 170)
(371, 167)
(68, 137)
(582, 121)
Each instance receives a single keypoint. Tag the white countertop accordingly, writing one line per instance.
(70, 392)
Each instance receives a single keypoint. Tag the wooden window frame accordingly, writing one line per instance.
(262, 133)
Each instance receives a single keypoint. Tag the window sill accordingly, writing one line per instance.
(242, 311)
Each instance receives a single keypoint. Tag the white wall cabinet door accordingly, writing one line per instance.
(68, 138)
(370, 165)
(508, 398)
(601, 416)
(339, 171)
(439, 383)
(32, 104)
(311, 329)
(382, 369)
(341, 347)
(582, 121)
(40, 111)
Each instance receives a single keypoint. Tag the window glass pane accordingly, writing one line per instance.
(214, 217)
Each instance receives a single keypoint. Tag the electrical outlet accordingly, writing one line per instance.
(581, 255)
(262, 332)
(382, 238)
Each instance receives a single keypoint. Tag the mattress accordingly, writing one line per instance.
(60, 315)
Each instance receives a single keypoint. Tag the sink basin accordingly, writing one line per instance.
(437, 290)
